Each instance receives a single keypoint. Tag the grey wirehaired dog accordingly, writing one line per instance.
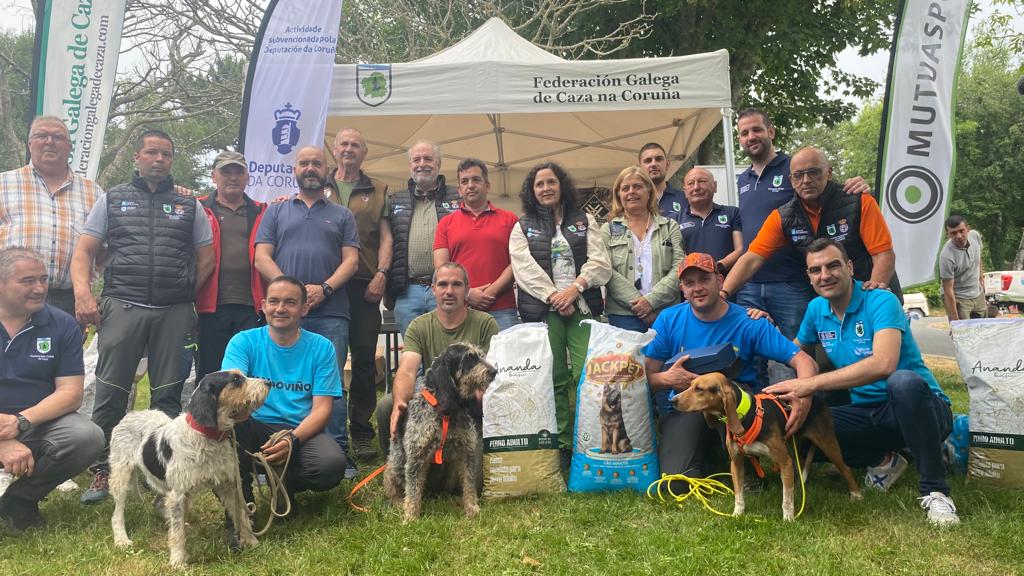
(438, 429)
(179, 458)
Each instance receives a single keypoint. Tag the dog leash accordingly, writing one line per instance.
(701, 489)
(360, 485)
(275, 480)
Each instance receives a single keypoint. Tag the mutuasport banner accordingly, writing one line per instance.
(917, 158)
(287, 90)
(76, 48)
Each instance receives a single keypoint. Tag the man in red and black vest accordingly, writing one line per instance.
(229, 301)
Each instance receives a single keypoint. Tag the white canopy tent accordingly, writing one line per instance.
(497, 97)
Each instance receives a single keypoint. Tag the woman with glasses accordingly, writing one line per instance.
(645, 249)
(559, 263)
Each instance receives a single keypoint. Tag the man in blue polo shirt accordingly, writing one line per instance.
(780, 287)
(706, 319)
(316, 241)
(654, 160)
(303, 370)
(707, 226)
(43, 441)
(895, 400)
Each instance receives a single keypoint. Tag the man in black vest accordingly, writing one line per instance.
(821, 209)
(160, 248)
(414, 214)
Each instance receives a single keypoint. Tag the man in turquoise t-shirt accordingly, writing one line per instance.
(895, 400)
(303, 370)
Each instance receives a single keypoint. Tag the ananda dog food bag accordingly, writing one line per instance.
(614, 446)
(991, 357)
(520, 446)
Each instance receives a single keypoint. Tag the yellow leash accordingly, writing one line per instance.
(702, 489)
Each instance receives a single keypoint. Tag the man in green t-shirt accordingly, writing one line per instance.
(427, 337)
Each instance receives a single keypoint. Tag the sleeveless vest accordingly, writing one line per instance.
(840, 221)
(539, 230)
(149, 236)
(400, 208)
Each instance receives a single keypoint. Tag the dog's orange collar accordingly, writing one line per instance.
(432, 400)
(208, 431)
(750, 436)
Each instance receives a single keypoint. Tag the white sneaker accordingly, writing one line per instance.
(941, 511)
(68, 485)
(5, 480)
(883, 476)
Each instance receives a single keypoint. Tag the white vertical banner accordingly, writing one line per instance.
(76, 49)
(287, 90)
(918, 144)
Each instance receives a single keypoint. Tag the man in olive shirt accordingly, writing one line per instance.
(367, 199)
(428, 336)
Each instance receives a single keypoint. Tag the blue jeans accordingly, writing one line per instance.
(914, 417)
(415, 302)
(506, 318)
(786, 302)
(334, 329)
(627, 322)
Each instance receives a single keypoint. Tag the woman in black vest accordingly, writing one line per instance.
(645, 249)
(559, 262)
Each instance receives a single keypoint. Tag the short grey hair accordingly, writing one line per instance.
(11, 256)
(437, 149)
(47, 120)
(451, 266)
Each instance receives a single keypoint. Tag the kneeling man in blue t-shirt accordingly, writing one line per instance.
(303, 370)
(895, 400)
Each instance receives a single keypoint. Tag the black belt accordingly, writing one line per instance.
(421, 281)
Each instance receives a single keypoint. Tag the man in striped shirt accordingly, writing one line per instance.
(44, 204)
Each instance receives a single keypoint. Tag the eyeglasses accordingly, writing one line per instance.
(43, 137)
(812, 173)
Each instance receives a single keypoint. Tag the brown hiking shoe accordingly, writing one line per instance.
(99, 488)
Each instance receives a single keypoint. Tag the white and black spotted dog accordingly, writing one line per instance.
(180, 458)
(449, 394)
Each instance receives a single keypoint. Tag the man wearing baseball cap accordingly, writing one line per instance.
(706, 319)
(229, 301)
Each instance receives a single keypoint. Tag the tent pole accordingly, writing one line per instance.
(730, 161)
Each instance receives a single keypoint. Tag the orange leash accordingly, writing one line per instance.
(432, 400)
(750, 436)
(359, 486)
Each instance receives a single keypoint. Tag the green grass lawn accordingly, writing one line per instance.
(622, 533)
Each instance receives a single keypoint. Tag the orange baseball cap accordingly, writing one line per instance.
(700, 261)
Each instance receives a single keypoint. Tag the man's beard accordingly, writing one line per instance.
(425, 181)
(304, 184)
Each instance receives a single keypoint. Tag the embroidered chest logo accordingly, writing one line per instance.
(826, 335)
(843, 226)
(858, 329)
(723, 219)
(831, 229)
(167, 208)
(777, 180)
(42, 345)
(677, 207)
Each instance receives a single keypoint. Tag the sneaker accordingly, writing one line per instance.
(99, 488)
(941, 511)
(886, 473)
(351, 471)
(67, 486)
(19, 514)
(363, 450)
(5, 480)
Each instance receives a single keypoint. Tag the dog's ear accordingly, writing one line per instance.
(203, 405)
(441, 382)
(729, 400)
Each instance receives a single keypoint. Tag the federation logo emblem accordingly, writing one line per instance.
(42, 345)
(831, 229)
(572, 228)
(167, 208)
(285, 135)
(373, 83)
(777, 181)
(858, 329)
(676, 206)
(723, 219)
(179, 210)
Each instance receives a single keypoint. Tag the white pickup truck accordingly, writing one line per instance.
(1005, 288)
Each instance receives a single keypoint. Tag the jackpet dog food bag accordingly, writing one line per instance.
(520, 446)
(991, 357)
(614, 446)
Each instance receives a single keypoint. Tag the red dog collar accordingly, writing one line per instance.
(432, 400)
(208, 431)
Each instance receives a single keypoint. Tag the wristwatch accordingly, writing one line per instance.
(383, 271)
(293, 439)
(23, 424)
(327, 289)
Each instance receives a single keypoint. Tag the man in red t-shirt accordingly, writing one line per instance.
(476, 236)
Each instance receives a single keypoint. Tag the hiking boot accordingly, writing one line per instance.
(19, 514)
(363, 450)
(941, 511)
(99, 488)
(886, 473)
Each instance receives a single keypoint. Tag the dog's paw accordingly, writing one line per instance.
(856, 496)
(122, 542)
(248, 541)
(738, 511)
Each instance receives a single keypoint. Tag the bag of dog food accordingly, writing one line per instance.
(991, 357)
(520, 443)
(614, 446)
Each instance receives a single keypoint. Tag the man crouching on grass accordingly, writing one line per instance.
(895, 401)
